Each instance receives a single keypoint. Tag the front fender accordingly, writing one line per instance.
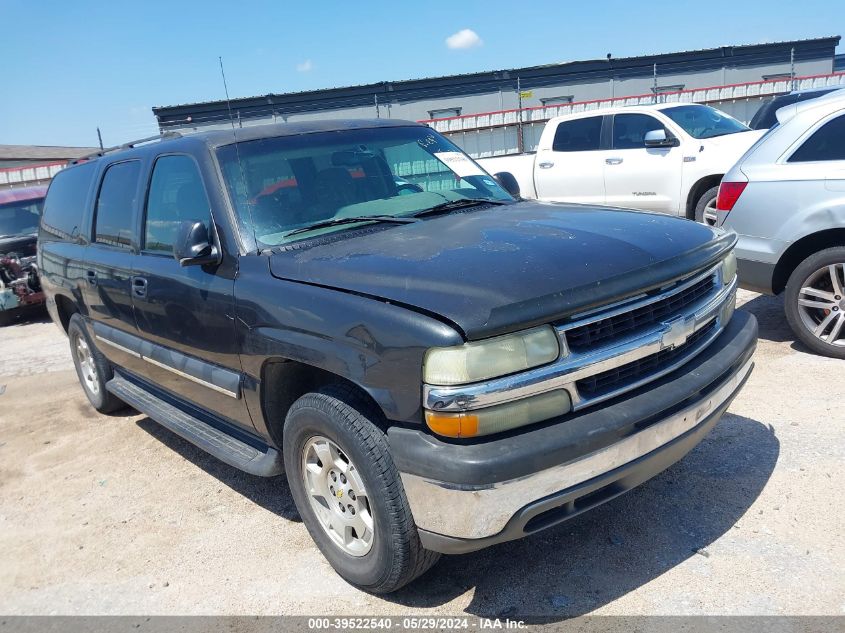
(375, 345)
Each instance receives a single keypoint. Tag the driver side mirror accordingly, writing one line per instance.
(193, 246)
(658, 138)
(508, 182)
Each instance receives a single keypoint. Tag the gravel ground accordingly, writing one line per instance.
(116, 515)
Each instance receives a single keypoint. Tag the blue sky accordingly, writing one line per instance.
(71, 66)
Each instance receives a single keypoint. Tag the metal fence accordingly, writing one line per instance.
(498, 133)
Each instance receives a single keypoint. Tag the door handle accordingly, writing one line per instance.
(139, 287)
(613, 161)
(91, 276)
(546, 164)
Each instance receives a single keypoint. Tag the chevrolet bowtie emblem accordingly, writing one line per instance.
(339, 494)
(676, 332)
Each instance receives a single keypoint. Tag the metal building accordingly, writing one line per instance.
(501, 111)
(27, 165)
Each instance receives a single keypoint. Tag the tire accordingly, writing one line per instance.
(336, 417)
(705, 208)
(814, 302)
(92, 370)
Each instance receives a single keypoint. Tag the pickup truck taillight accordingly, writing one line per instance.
(729, 193)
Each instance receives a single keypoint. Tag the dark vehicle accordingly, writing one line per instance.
(20, 289)
(765, 118)
(436, 366)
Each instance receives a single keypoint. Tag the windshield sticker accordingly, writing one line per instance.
(460, 164)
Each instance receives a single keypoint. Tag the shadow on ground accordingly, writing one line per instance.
(596, 557)
(772, 321)
(593, 559)
(271, 493)
(770, 317)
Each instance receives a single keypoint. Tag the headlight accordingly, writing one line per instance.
(500, 417)
(491, 358)
(729, 268)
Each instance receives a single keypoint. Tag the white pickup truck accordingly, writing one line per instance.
(668, 158)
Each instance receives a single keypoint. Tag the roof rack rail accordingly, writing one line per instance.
(129, 145)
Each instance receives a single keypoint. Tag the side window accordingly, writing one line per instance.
(64, 207)
(629, 130)
(826, 143)
(580, 135)
(176, 194)
(115, 203)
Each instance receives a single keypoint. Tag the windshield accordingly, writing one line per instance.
(281, 184)
(20, 218)
(700, 121)
(766, 116)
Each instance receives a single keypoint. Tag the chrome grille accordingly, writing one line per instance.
(626, 349)
(609, 381)
(614, 327)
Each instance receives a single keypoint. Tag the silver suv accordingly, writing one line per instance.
(786, 200)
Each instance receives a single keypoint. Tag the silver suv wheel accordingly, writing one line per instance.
(821, 304)
(337, 495)
(710, 216)
(88, 370)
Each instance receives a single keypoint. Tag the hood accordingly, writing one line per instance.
(23, 245)
(497, 269)
(734, 144)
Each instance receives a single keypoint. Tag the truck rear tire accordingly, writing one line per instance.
(349, 493)
(705, 208)
(92, 368)
(814, 302)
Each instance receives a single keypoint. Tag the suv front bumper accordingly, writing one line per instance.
(467, 496)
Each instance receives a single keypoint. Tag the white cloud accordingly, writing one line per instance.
(465, 38)
(304, 67)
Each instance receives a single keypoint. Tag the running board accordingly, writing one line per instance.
(221, 445)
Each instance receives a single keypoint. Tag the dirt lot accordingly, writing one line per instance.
(115, 515)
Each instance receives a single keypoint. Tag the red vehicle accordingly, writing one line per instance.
(20, 290)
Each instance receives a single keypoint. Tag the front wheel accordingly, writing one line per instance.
(705, 208)
(349, 494)
(815, 302)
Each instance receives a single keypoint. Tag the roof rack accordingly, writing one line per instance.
(129, 145)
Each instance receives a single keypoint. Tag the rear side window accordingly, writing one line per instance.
(629, 130)
(176, 194)
(115, 204)
(580, 135)
(826, 143)
(64, 208)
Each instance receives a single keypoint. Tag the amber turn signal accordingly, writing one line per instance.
(452, 424)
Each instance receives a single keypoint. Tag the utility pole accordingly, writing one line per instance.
(654, 85)
(375, 100)
(100, 136)
(520, 139)
(792, 68)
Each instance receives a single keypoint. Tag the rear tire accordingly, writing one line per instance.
(705, 208)
(332, 424)
(814, 302)
(92, 368)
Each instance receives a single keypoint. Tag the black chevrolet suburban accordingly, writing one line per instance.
(436, 365)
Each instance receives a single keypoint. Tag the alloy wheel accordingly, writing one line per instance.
(337, 495)
(710, 218)
(821, 304)
(87, 367)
